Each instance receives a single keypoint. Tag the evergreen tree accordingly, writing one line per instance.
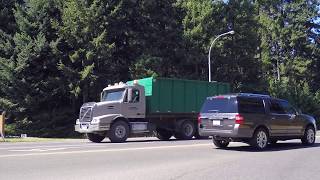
(56, 54)
(288, 52)
(160, 50)
(30, 81)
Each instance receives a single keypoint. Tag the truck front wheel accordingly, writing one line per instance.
(163, 134)
(187, 130)
(119, 132)
(95, 137)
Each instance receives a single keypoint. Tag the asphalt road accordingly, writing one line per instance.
(148, 158)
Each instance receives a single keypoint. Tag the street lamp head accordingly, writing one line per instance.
(231, 32)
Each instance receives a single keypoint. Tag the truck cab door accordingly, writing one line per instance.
(134, 104)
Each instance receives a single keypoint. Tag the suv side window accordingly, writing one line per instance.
(251, 105)
(275, 107)
(288, 108)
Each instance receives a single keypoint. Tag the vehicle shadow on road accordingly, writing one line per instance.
(154, 140)
(273, 147)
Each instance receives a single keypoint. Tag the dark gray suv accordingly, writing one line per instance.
(254, 119)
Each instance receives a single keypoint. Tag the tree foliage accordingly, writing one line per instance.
(56, 54)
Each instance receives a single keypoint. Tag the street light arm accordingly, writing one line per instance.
(209, 55)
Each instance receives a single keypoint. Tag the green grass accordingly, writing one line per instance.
(31, 139)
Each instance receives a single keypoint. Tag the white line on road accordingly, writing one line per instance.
(104, 150)
(38, 150)
(53, 146)
(79, 144)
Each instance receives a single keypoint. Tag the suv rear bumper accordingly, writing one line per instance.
(237, 132)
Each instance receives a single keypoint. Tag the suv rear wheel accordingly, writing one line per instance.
(309, 136)
(220, 143)
(260, 139)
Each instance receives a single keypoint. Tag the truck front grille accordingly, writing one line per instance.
(85, 114)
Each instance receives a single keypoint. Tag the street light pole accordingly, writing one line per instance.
(209, 60)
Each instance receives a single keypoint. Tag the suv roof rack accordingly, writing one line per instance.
(254, 95)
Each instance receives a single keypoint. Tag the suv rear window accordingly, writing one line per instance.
(220, 105)
(251, 105)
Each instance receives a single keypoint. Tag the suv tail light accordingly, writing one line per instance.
(239, 119)
(199, 119)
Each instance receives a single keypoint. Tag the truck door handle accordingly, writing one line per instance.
(133, 108)
(110, 107)
(273, 118)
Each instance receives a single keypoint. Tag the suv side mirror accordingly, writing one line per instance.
(298, 112)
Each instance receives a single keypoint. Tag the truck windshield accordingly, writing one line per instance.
(112, 95)
(220, 105)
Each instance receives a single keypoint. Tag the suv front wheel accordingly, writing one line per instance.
(309, 136)
(260, 139)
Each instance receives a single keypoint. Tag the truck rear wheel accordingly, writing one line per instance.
(187, 130)
(95, 137)
(177, 136)
(119, 132)
(163, 134)
(197, 136)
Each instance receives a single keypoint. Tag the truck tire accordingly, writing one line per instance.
(177, 136)
(163, 134)
(197, 136)
(95, 137)
(118, 132)
(187, 130)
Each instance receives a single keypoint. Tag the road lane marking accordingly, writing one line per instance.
(38, 150)
(104, 150)
(79, 144)
(82, 144)
(53, 146)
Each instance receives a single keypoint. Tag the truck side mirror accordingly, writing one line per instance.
(129, 95)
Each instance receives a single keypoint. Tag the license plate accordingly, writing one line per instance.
(216, 123)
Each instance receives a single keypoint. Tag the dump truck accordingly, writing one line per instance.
(160, 106)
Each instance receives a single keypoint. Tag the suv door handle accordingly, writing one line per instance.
(273, 118)
(292, 116)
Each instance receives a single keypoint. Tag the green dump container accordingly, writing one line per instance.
(164, 95)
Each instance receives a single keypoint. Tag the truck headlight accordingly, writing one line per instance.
(77, 121)
(95, 121)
